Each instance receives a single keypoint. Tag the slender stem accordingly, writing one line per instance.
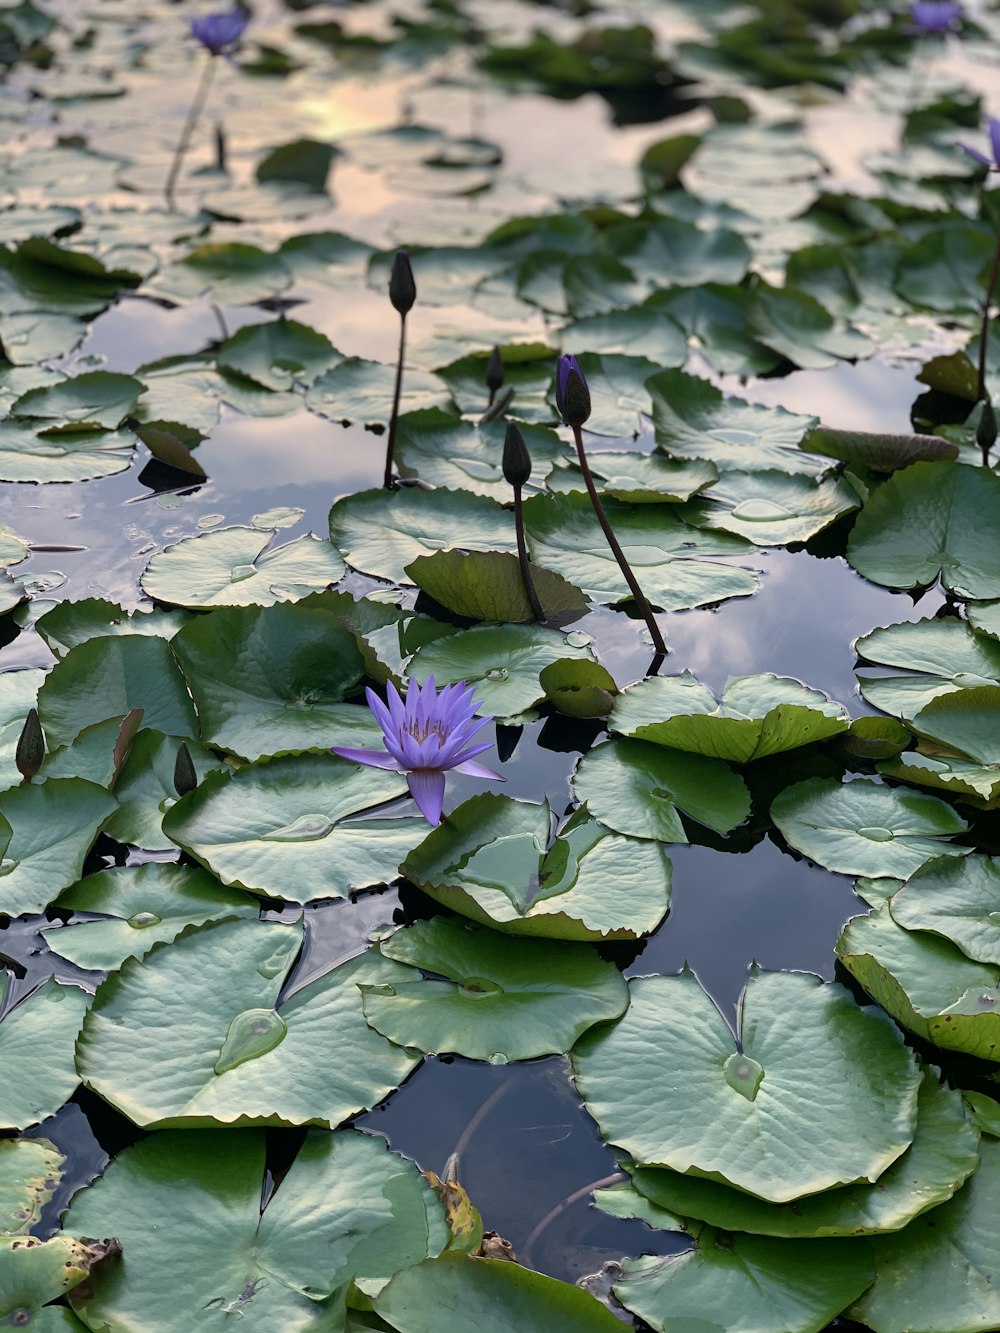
(391, 442)
(984, 334)
(193, 116)
(526, 1250)
(640, 599)
(522, 556)
(453, 1164)
(654, 667)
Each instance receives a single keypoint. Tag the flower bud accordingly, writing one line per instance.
(516, 459)
(185, 778)
(402, 288)
(494, 371)
(30, 747)
(572, 394)
(986, 427)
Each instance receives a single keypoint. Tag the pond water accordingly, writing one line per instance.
(520, 1136)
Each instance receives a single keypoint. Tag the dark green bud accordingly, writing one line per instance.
(402, 288)
(572, 393)
(516, 459)
(30, 747)
(986, 428)
(185, 778)
(494, 371)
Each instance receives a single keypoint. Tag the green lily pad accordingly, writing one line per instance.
(640, 330)
(498, 999)
(715, 318)
(925, 523)
(640, 789)
(864, 828)
(693, 419)
(502, 662)
(985, 617)
(881, 453)
(963, 725)
(489, 585)
(746, 1284)
(668, 250)
(53, 826)
(26, 455)
(97, 400)
(283, 827)
(144, 904)
(362, 391)
(13, 548)
(381, 532)
(30, 1171)
(461, 456)
(758, 716)
(192, 1034)
(959, 900)
(943, 1154)
(579, 688)
(37, 1039)
(271, 680)
(456, 1292)
(938, 1273)
(145, 788)
(619, 398)
(70, 623)
(671, 1085)
(943, 655)
(33, 1272)
(677, 566)
(638, 478)
(234, 567)
(279, 354)
(926, 983)
(347, 1209)
(233, 272)
(772, 508)
(488, 861)
(107, 677)
(18, 693)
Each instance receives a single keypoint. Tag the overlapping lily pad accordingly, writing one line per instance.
(758, 716)
(940, 655)
(30, 1171)
(489, 585)
(638, 478)
(959, 745)
(770, 507)
(488, 861)
(460, 456)
(957, 899)
(865, 828)
(27, 455)
(192, 1034)
(70, 623)
(671, 1085)
(34, 1272)
(37, 1039)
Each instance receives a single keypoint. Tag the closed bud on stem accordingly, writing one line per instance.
(516, 459)
(402, 288)
(986, 428)
(30, 747)
(494, 371)
(572, 394)
(185, 778)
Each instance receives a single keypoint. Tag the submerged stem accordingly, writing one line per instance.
(991, 283)
(391, 442)
(640, 598)
(522, 557)
(193, 116)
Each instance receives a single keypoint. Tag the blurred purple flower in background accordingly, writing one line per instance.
(933, 17)
(426, 736)
(993, 163)
(220, 32)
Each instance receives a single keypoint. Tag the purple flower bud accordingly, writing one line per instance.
(516, 459)
(991, 163)
(402, 287)
(572, 394)
(219, 33)
(933, 17)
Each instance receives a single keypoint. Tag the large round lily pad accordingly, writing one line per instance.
(284, 827)
(670, 1085)
(498, 999)
(192, 1034)
(959, 900)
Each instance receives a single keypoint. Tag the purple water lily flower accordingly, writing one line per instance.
(425, 736)
(933, 17)
(993, 163)
(220, 32)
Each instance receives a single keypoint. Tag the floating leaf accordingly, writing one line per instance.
(943, 654)
(578, 688)
(489, 585)
(641, 789)
(278, 354)
(33, 1272)
(959, 900)
(362, 391)
(758, 716)
(772, 508)
(37, 1039)
(656, 1083)
(881, 453)
(97, 400)
(864, 828)
(638, 478)
(70, 623)
(186, 1006)
(26, 455)
(458, 455)
(30, 1171)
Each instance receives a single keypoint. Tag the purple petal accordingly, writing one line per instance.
(373, 758)
(995, 141)
(381, 713)
(427, 789)
(974, 152)
(473, 770)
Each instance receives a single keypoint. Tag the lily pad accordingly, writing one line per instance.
(489, 585)
(925, 523)
(881, 453)
(145, 790)
(70, 623)
(926, 983)
(943, 1154)
(578, 688)
(234, 567)
(30, 1171)
(772, 508)
(498, 1000)
(638, 478)
(864, 828)
(271, 680)
(37, 1039)
(959, 900)
(362, 391)
(461, 456)
(18, 693)
(488, 861)
(26, 455)
(279, 354)
(96, 401)
(678, 567)
(144, 905)
(33, 1272)
(758, 716)
(192, 1034)
(641, 789)
(671, 1085)
(284, 827)
(960, 744)
(348, 1209)
(939, 655)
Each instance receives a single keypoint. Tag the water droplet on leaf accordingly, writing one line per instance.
(251, 1035)
(142, 919)
(761, 511)
(307, 828)
(876, 834)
